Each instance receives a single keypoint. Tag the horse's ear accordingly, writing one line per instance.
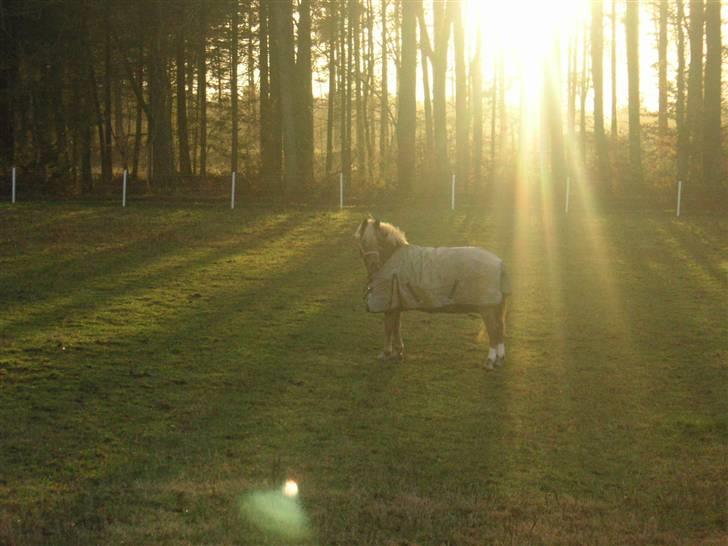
(360, 232)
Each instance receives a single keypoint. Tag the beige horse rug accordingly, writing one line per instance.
(443, 279)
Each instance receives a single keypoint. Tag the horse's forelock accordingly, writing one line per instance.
(392, 234)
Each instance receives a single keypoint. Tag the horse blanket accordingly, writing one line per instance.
(438, 279)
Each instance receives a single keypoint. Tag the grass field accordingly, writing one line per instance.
(162, 368)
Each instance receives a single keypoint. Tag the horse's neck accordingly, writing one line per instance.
(388, 250)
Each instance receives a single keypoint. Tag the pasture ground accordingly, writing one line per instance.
(158, 365)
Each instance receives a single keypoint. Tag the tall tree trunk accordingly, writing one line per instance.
(597, 57)
(348, 74)
(502, 110)
(425, 60)
(384, 108)
(106, 151)
(614, 132)
(683, 152)
(355, 19)
(406, 109)
(344, 91)
(282, 23)
(493, 113)
(368, 86)
(161, 135)
(442, 11)
(662, 68)
(584, 89)
(234, 114)
(554, 120)
(185, 166)
(270, 115)
(694, 114)
(303, 93)
(8, 80)
(462, 117)
(712, 149)
(139, 119)
(633, 83)
(476, 73)
(202, 88)
(331, 99)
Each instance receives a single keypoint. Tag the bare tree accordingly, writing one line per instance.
(633, 84)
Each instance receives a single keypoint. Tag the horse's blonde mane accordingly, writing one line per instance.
(392, 234)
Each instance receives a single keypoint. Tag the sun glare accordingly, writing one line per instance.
(524, 34)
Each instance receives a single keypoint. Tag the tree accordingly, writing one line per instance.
(442, 13)
(633, 84)
(614, 130)
(185, 166)
(477, 106)
(682, 131)
(407, 106)
(662, 67)
(234, 51)
(462, 116)
(303, 94)
(694, 112)
(597, 58)
(282, 19)
(712, 149)
(202, 87)
(384, 104)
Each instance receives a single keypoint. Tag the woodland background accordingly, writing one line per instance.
(288, 94)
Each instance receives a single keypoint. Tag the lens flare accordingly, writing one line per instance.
(290, 489)
(277, 512)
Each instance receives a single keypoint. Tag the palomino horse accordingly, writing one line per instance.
(404, 277)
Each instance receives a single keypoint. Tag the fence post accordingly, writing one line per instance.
(452, 194)
(13, 199)
(679, 195)
(341, 191)
(568, 188)
(232, 193)
(123, 192)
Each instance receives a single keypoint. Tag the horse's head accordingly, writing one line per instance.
(377, 242)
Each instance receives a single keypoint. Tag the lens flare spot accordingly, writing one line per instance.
(290, 489)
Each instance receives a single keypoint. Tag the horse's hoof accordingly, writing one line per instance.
(501, 361)
(490, 365)
(388, 357)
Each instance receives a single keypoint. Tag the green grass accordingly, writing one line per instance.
(160, 367)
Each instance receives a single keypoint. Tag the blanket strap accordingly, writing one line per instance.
(451, 295)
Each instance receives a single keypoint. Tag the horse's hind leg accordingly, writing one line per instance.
(491, 325)
(501, 330)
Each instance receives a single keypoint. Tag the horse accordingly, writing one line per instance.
(402, 277)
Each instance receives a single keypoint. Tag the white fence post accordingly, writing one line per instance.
(679, 195)
(13, 185)
(341, 191)
(452, 194)
(123, 191)
(232, 193)
(568, 188)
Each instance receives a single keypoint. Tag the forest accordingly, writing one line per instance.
(398, 96)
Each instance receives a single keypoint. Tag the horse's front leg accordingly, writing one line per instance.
(398, 343)
(390, 321)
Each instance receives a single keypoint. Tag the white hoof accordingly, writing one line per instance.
(388, 357)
